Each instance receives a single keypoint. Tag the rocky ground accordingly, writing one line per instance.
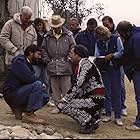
(59, 126)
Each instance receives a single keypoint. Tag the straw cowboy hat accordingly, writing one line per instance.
(56, 21)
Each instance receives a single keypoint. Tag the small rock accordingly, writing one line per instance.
(28, 126)
(17, 138)
(45, 136)
(34, 133)
(2, 127)
(49, 131)
(21, 133)
(67, 138)
(58, 135)
(38, 137)
(33, 137)
(4, 137)
(68, 134)
(16, 127)
(9, 128)
(4, 134)
(39, 129)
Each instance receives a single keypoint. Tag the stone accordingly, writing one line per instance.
(28, 126)
(2, 127)
(49, 131)
(58, 135)
(34, 133)
(21, 133)
(45, 136)
(4, 134)
(67, 138)
(39, 129)
(16, 127)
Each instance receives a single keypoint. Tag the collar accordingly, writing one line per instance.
(28, 60)
(20, 21)
(78, 71)
(56, 33)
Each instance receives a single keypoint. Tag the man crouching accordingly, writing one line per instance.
(86, 98)
(23, 92)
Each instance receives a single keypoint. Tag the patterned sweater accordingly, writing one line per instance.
(88, 81)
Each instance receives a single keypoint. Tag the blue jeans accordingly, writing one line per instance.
(123, 91)
(32, 96)
(112, 82)
(41, 74)
(136, 81)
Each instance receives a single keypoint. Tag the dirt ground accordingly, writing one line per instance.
(68, 127)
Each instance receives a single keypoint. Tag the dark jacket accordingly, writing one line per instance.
(40, 38)
(87, 39)
(107, 48)
(132, 53)
(20, 73)
(56, 52)
(75, 33)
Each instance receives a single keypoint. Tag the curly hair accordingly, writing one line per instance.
(40, 20)
(102, 31)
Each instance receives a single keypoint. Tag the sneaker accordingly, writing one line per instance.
(32, 118)
(106, 119)
(51, 104)
(133, 128)
(55, 111)
(124, 112)
(119, 122)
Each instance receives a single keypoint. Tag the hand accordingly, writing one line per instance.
(108, 57)
(62, 100)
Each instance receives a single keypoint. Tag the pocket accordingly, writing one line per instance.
(51, 67)
(65, 67)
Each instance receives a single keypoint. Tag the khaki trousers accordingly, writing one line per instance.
(60, 85)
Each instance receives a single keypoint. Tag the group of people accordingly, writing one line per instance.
(39, 61)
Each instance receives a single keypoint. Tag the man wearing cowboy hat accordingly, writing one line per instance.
(56, 46)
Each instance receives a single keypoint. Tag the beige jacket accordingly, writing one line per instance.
(13, 37)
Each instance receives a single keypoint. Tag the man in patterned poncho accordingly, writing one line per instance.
(85, 99)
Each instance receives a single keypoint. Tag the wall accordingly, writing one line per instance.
(14, 6)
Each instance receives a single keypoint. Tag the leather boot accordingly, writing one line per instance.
(32, 118)
(17, 112)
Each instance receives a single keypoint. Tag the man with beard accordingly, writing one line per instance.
(23, 92)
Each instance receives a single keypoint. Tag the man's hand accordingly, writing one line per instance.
(108, 57)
